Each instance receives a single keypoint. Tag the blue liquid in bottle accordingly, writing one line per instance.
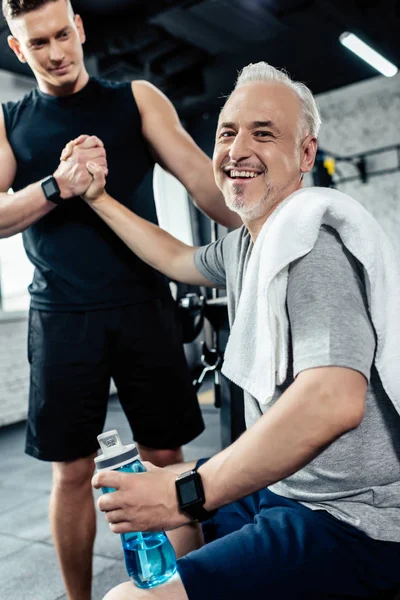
(149, 556)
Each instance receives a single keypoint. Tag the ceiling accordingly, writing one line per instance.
(192, 49)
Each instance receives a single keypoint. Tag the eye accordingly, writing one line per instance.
(263, 134)
(226, 134)
(64, 35)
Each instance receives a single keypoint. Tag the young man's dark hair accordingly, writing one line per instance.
(15, 8)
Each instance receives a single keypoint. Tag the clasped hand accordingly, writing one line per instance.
(142, 501)
(83, 168)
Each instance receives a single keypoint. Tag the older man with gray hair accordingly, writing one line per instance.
(305, 503)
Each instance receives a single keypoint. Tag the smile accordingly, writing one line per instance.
(60, 69)
(242, 174)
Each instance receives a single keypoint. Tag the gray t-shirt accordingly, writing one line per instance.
(357, 478)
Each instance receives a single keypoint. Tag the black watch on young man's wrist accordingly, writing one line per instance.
(191, 498)
(51, 190)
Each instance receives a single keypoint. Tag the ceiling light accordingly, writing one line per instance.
(353, 43)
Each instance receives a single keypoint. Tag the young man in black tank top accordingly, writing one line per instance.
(97, 311)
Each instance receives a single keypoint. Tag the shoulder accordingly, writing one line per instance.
(239, 238)
(146, 94)
(328, 250)
(24, 101)
(145, 87)
(328, 269)
(12, 111)
(232, 246)
(328, 240)
(110, 85)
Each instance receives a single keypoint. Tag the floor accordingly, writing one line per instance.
(28, 563)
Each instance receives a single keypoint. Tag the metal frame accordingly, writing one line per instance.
(360, 163)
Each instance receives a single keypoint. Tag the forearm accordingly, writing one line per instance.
(20, 210)
(303, 422)
(149, 242)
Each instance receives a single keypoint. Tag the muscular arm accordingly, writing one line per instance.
(177, 152)
(20, 210)
(17, 211)
(321, 405)
(152, 244)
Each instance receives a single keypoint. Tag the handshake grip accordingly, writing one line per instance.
(83, 168)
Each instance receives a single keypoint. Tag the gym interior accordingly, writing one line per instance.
(192, 51)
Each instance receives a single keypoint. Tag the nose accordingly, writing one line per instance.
(239, 149)
(56, 52)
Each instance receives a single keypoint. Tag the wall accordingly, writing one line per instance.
(14, 374)
(364, 117)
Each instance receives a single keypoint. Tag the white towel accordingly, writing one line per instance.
(256, 355)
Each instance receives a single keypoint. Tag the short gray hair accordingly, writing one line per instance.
(262, 71)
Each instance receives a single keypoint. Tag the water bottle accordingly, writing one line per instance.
(149, 556)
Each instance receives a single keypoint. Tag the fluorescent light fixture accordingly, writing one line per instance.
(353, 43)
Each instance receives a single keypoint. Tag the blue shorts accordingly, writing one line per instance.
(268, 547)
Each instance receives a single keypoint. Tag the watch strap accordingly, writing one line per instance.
(199, 513)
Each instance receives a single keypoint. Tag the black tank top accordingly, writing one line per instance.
(80, 264)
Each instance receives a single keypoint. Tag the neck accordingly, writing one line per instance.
(254, 226)
(66, 90)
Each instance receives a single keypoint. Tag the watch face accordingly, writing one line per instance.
(50, 188)
(188, 492)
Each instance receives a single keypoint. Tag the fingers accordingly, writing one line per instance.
(107, 479)
(99, 172)
(86, 142)
(115, 516)
(66, 153)
(96, 187)
(91, 141)
(81, 138)
(117, 521)
(123, 527)
(97, 159)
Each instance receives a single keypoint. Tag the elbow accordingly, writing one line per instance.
(353, 413)
(346, 407)
(339, 395)
(5, 233)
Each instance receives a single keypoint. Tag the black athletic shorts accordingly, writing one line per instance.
(73, 356)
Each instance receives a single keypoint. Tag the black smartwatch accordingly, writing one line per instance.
(51, 190)
(190, 492)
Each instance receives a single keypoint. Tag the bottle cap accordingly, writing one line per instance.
(114, 452)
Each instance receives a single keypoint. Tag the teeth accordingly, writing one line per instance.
(243, 174)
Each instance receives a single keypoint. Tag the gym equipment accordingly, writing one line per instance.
(228, 397)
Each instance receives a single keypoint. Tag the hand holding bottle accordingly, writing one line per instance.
(145, 503)
(149, 556)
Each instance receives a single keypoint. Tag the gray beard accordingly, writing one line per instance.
(272, 197)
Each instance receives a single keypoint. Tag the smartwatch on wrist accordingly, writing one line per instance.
(51, 190)
(191, 498)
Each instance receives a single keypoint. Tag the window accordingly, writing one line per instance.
(172, 204)
(15, 274)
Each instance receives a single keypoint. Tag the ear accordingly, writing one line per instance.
(309, 152)
(16, 48)
(81, 30)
